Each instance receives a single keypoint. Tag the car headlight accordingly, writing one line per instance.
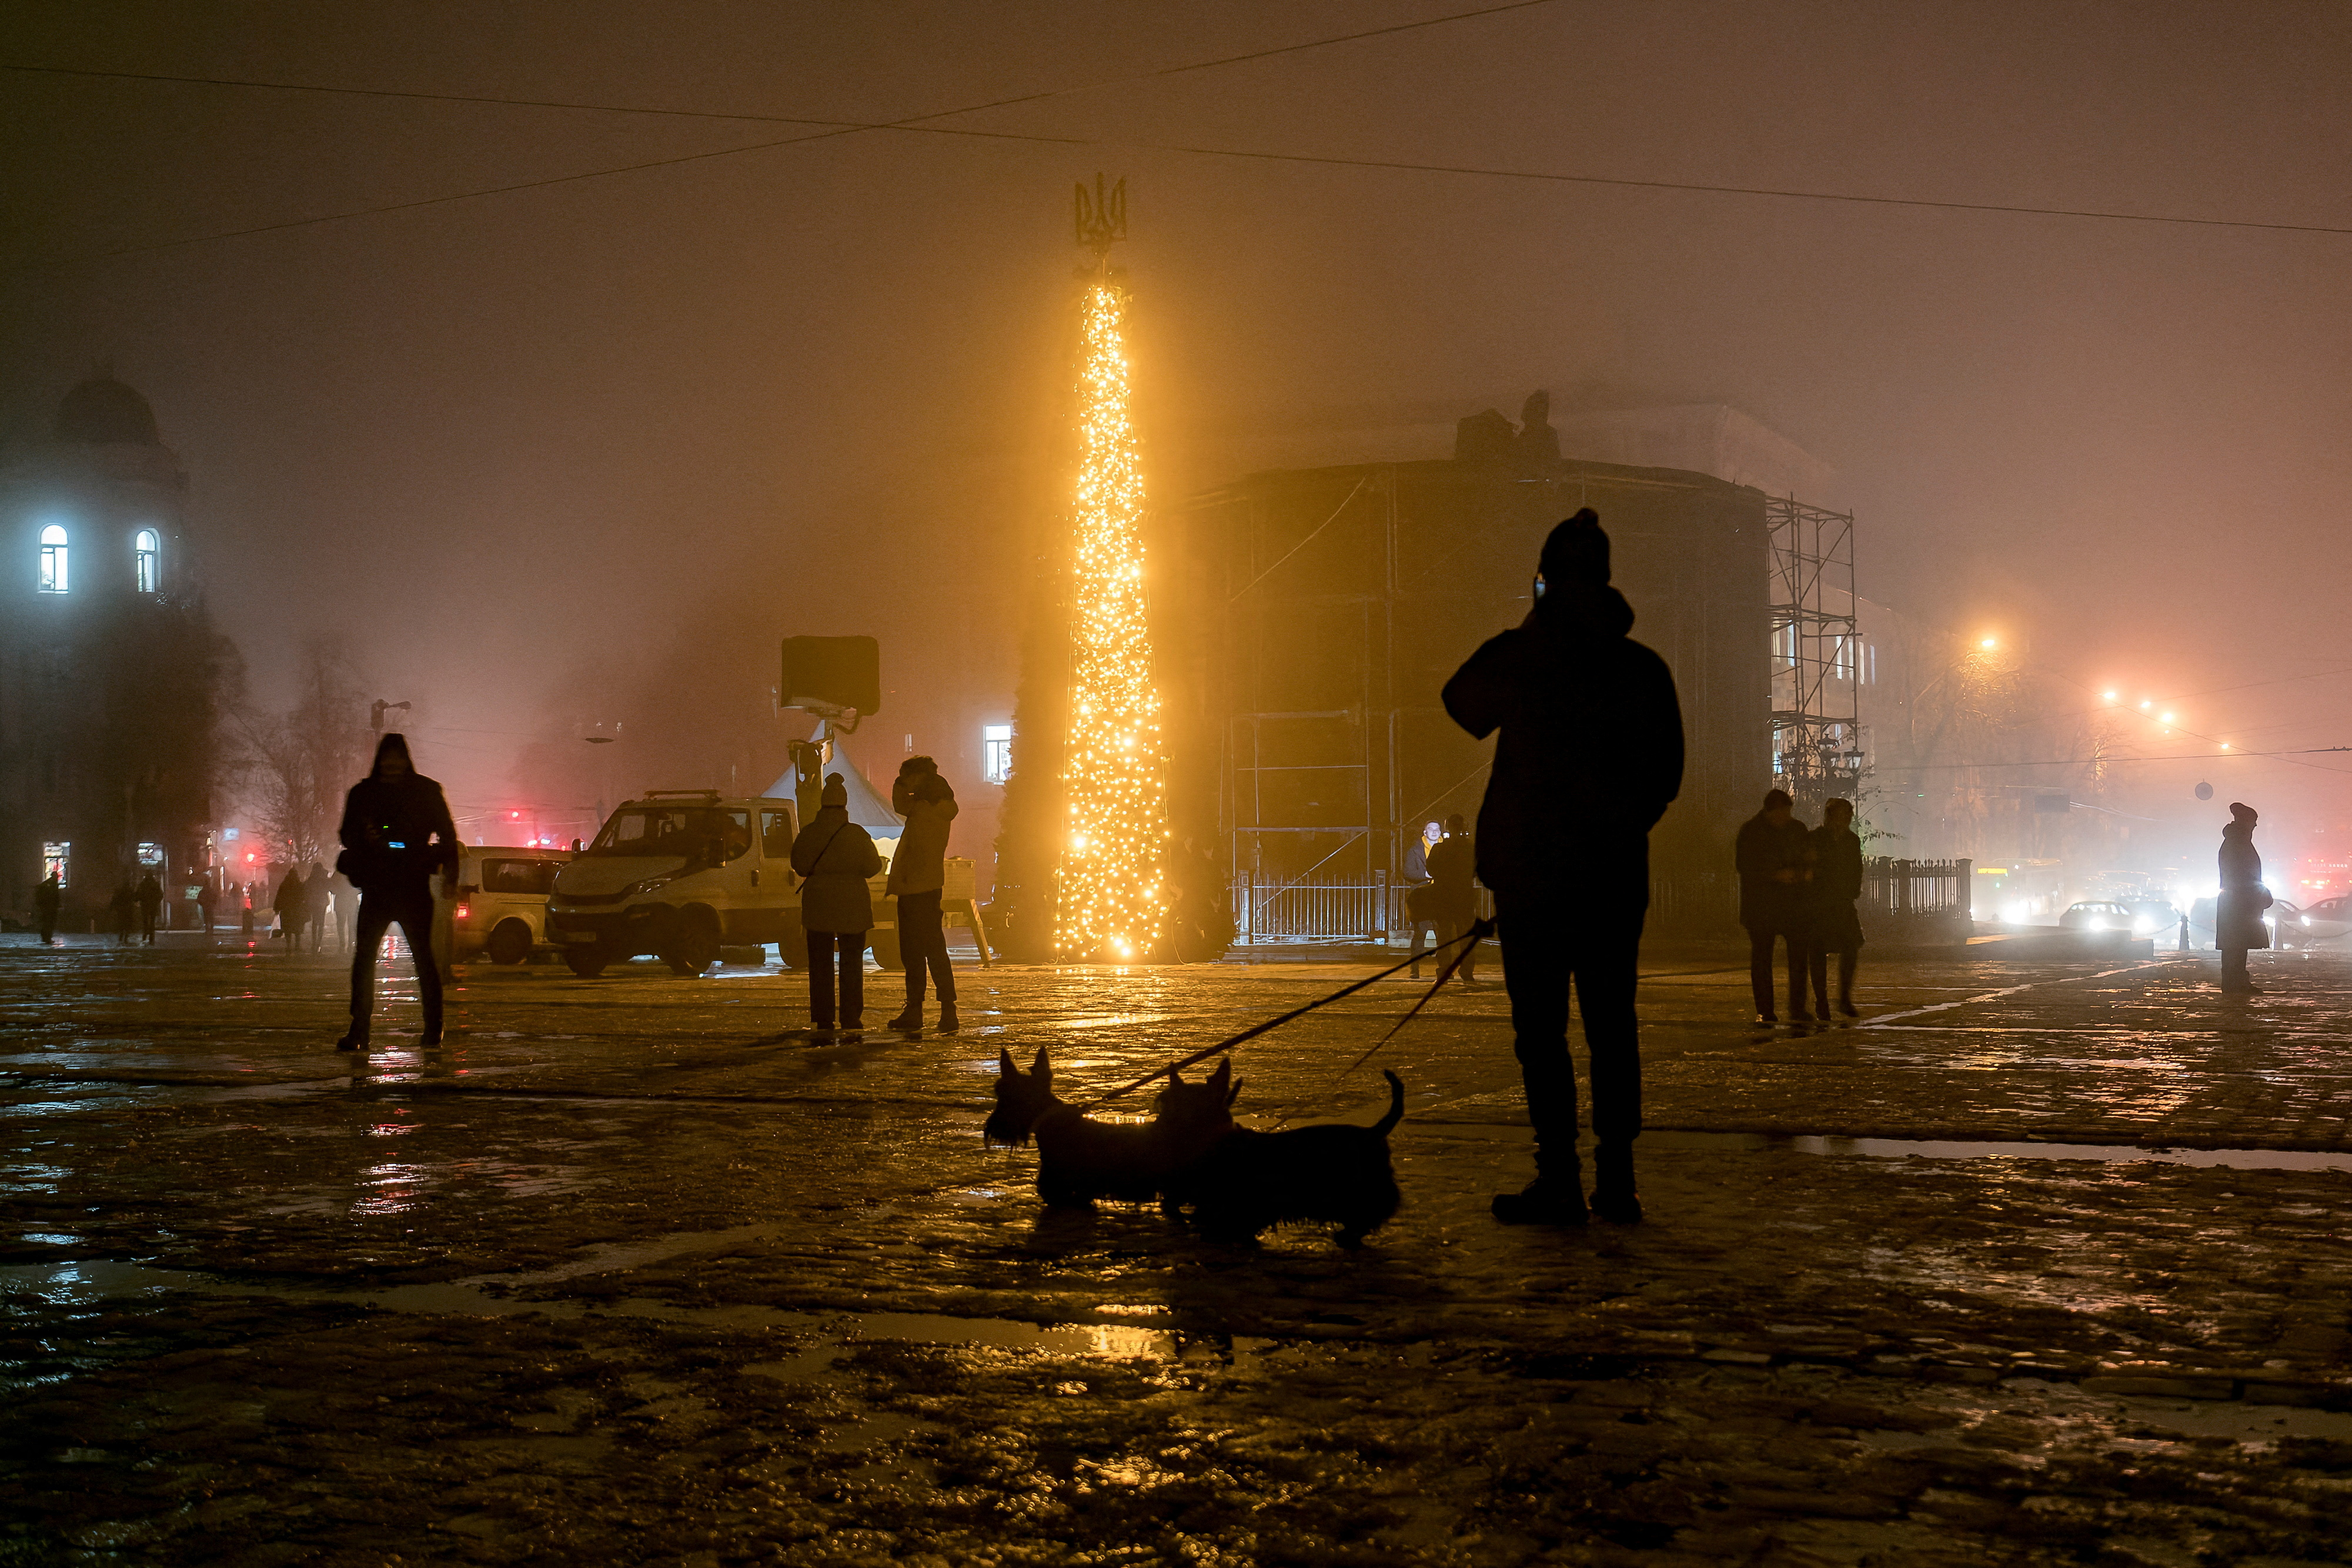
(2307, 919)
(650, 884)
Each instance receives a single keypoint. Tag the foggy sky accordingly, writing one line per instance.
(588, 450)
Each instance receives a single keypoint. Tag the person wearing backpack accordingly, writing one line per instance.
(836, 857)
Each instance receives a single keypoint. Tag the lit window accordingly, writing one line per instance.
(151, 855)
(53, 861)
(149, 555)
(53, 559)
(996, 752)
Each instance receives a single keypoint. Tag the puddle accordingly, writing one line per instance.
(1923, 1149)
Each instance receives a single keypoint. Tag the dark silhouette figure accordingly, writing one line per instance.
(836, 857)
(1836, 924)
(287, 904)
(1774, 852)
(314, 905)
(244, 908)
(918, 877)
(45, 898)
(121, 910)
(1564, 844)
(2238, 911)
(150, 906)
(396, 833)
(1450, 901)
(1537, 445)
(207, 900)
(347, 908)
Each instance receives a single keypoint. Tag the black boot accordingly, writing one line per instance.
(1613, 1197)
(1555, 1198)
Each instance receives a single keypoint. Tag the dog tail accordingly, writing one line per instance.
(1396, 1104)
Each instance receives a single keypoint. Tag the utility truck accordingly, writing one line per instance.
(679, 874)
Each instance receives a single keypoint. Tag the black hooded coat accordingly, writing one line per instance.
(390, 826)
(1590, 754)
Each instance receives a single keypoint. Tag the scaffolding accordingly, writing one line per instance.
(1818, 653)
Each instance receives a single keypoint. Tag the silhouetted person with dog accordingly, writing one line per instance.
(836, 856)
(396, 832)
(919, 878)
(1836, 924)
(1774, 853)
(2237, 909)
(1564, 845)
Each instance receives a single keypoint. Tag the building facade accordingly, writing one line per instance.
(110, 675)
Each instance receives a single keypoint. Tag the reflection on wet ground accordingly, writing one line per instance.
(2047, 1269)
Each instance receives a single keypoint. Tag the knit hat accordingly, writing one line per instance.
(2242, 812)
(1577, 551)
(837, 793)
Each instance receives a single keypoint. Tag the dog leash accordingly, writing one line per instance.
(1466, 941)
(1478, 928)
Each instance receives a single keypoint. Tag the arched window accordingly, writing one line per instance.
(147, 552)
(53, 559)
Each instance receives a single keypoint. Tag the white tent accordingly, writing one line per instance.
(869, 808)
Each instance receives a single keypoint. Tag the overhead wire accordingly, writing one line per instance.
(919, 125)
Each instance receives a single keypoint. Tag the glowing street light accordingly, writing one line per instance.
(2109, 696)
(1988, 642)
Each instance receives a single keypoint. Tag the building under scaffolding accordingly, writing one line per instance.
(1313, 615)
(1819, 659)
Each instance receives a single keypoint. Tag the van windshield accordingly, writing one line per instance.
(682, 830)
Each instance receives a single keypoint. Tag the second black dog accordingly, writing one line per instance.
(1248, 1180)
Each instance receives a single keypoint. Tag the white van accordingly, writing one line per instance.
(679, 874)
(501, 903)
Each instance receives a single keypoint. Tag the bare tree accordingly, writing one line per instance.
(296, 765)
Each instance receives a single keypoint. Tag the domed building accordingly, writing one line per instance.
(109, 669)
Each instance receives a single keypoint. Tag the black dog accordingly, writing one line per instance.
(1079, 1160)
(1249, 1180)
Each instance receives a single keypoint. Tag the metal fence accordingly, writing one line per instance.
(1916, 899)
(1311, 910)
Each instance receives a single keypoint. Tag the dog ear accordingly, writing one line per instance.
(1235, 1091)
(1225, 1071)
(1041, 1067)
(1004, 1063)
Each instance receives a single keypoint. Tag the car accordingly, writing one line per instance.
(2096, 914)
(2153, 918)
(2327, 920)
(501, 902)
(679, 873)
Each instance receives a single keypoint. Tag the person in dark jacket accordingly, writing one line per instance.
(1835, 924)
(314, 905)
(1564, 845)
(121, 910)
(1451, 900)
(1774, 853)
(45, 898)
(150, 897)
(287, 904)
(2238, 911)
(396, 832)
(919, 880)
(839, 858)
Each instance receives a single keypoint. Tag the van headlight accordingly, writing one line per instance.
(650, 884)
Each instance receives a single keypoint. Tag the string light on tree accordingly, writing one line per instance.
(1110, 899)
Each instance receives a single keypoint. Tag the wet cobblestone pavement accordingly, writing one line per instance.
(639, 1270)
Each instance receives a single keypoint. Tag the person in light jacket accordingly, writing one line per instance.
(918, 877)
(836, 857)
(2238, 911)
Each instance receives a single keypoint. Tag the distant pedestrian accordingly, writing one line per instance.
(1450, 901)
(286, 903)
(1836, 924)
(45, 898)
(2238, 910)
(837, 857)
(1773, 855)
(314, 905)
(918, 878)
(1564, 844)
(1416, 851)
(346, 908)
(149, 895)
(208, 899)
(245, 898)
(395, 832)
(121, 910)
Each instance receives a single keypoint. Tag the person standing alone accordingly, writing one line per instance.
(150, 906)
(2238, 911)
(1773, 852)
(45, 898)
(836, 857)
(396, 832)
(1836, 926)
(1561, 813)
(918, 878)
(1452, 897)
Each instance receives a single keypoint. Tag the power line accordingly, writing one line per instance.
(917, 125)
